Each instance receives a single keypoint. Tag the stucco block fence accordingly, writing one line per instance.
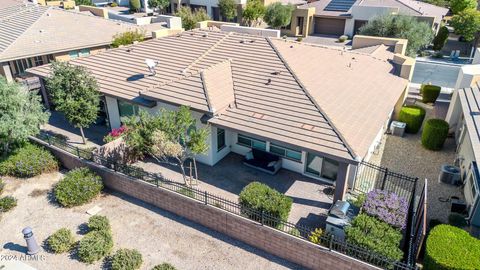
(266, 238)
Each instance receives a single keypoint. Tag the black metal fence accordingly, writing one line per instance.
(370, 176)
(417, 226)
(328, 241)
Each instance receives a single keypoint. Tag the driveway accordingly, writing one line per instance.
(157, 234)
(444, 75)
(324, 40)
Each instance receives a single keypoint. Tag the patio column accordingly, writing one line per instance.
(43, 90)
(341, 182)
(5, 71)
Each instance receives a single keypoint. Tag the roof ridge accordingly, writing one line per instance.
(408, 6)
(310, 97)
(207, 51)
(204, 82)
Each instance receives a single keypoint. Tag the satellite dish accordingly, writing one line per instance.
(151, 64)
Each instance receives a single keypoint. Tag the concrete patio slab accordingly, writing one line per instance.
(228, 177)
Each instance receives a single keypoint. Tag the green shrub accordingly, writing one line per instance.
(457, 220)
(316, 236)
(94, 246)
(7, 203)
(135, 5)
(28, 161)
(375, 235)
(98, 223)
(61, 241)
(127, 38)
(78, 187)
(434, 134)
(343, 38)
(187, 192)
(164, 266)
(294, 232)
(126, 259)
(263, 199)
(413, 116)
(451, 248)
(429, 93)
(2, 186)
(440, 39)
(359, 200)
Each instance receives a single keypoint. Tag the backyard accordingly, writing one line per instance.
(158, 235)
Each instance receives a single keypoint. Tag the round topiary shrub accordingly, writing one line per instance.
(94, 246)
(449, 247)
(61, 241)
(413, 116)
(98, 223)
(28, 161)
(126, 259)
(164, 266)
(78, 187)
(434, 134)
(7, 203)
(429, 93)
(257, 198)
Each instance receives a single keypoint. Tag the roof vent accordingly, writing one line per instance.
(205, 34)
(276, 72)
(151, 64)
(269, 81)
(184, 72)
(243, 41)
(258, 115)
(307, 126)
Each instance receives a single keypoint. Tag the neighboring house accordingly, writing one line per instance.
(463, 118)
(34, 35)
(321, 109)
(345, 17)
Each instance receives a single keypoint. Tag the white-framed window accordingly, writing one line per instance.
(286, 152)
(251, 142)
(126, 109)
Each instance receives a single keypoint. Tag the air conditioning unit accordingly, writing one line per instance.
(450, 175)
(397, 128)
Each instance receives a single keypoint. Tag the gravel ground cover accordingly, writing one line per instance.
(159, 235)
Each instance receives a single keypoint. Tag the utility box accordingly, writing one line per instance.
(397, 128)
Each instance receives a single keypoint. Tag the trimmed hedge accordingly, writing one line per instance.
(7, 203)
(440, 39)
(429, 93)
(94, 246)
(164, 266)
(434, 134)
(79, 186)
(373, 234)
(262, 198)
(28, 161)
(413, 116)
(126, 259)
(61, 241)
(98, 223)
(451, 248)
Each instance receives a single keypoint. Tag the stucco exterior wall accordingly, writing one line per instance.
(294, 29)
(365, 13)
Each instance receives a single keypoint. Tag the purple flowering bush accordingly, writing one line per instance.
(387, 206)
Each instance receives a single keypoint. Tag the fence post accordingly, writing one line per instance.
(48, 139)
(206, 202)
(330, 245)
(156, 180)
(114, 165)
(384, 178)
(261, 217)
(78, 152)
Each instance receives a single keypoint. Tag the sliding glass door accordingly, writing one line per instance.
(321, 167)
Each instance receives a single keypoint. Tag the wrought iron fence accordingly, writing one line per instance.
(417, 226)
(328, 241)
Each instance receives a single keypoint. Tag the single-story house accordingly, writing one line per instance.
(34, 35)
(345, 17)
(322, 110)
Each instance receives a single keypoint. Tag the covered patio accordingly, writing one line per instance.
(311, 198)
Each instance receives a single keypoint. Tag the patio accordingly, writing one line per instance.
(59, 126)
(311, 199)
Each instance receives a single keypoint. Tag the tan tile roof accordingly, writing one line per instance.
(275, 87)
(409, 7)
(29, 30)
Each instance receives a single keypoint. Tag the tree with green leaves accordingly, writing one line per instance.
(159, 4)
(228, 9)
(466, 24)
(83, 3)
(189, 18)
(74, 91)
(127, 38)
(170, 137)
(441, 38)
(21, 114)
(253, 12)
(419, 34)
(440, 3)
(458, 6)
(135, 5)
(278, 15)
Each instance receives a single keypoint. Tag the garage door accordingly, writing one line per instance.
(329, 26)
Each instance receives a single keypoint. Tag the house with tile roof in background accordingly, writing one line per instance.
(34, 35)
(345, 17)
(263, 93)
